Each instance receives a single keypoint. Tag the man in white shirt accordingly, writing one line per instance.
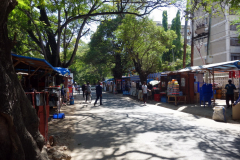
(144, 90)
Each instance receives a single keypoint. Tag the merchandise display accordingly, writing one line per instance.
(173, 87)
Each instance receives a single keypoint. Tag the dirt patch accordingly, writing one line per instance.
(62, 130)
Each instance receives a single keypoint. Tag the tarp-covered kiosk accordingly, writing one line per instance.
(33, 73)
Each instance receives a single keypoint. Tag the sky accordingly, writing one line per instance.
(156, 15)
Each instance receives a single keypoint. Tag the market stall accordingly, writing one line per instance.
(35, 75)
(109, 85)
(179, 87)
(211, 69)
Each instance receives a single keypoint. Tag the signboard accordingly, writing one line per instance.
(182, 82)
(232, 74)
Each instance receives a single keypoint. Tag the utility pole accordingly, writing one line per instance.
(192, 43)
(209, 33)
(185, 40)
(208, 43)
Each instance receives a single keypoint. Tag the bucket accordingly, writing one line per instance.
(72, 100)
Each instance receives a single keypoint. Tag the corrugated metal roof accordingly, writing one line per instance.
(223, 66)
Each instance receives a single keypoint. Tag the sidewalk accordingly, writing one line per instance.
(195, 109)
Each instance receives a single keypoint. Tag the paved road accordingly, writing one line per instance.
(125, 129)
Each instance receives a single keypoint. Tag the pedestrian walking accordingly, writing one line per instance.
(230, 93)
(98, 93)
(83, 89)
(88, 92)
(144, 90)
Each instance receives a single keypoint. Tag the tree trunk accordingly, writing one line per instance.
(19, 135)
(118, 69)
(142, 75)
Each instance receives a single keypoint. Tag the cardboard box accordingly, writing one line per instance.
(236, 112)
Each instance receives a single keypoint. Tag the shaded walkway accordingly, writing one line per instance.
(125, 129)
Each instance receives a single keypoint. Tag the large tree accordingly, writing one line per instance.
(106, 51)
(144, 42)
(83, 71)
(19, 135)
(165, 20)
(51, 25)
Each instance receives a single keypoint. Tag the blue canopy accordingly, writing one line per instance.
(63, 71)
(110, 79)
(22, 63)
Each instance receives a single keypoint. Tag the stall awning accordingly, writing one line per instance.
(63, 71)
(22, 63)
(223, 66)
(135, 78)
(154, 75)
(125, 77)
(112, 79)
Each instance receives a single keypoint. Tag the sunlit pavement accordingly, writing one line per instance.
(123, 128)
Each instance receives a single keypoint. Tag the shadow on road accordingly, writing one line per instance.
(103, 134)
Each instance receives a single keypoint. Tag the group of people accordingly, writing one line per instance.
(86, 89)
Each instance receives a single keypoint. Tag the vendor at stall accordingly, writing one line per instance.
(230, 92)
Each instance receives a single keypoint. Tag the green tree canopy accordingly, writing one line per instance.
(106, 51)
(165, 20)
(144, 42)
(49, 27)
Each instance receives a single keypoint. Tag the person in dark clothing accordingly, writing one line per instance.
(150, 87)
(83, 89)
(230, 92)
(98, 93)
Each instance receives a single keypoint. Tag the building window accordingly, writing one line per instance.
(235, 56)
(233, 27)
(234, 41)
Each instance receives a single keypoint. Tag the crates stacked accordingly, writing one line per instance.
(224, 93)
(219, 93)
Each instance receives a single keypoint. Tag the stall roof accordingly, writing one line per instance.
(110, 79)
(63, 71)
(22, 62)
(125, 77)
(223, 66)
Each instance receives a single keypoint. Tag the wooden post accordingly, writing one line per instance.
(213, 89)
(209, 76)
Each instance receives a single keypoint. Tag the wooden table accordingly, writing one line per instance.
(177, 99)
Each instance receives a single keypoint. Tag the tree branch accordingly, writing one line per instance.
(77, 41)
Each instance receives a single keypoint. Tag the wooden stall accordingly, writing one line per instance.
(186, 86)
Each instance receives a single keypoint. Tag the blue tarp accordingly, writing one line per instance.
(63, 71)
(32, 61)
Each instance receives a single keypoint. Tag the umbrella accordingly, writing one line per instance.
(154, 82)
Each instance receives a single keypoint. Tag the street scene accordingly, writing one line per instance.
(119, 80)
(122, 128)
